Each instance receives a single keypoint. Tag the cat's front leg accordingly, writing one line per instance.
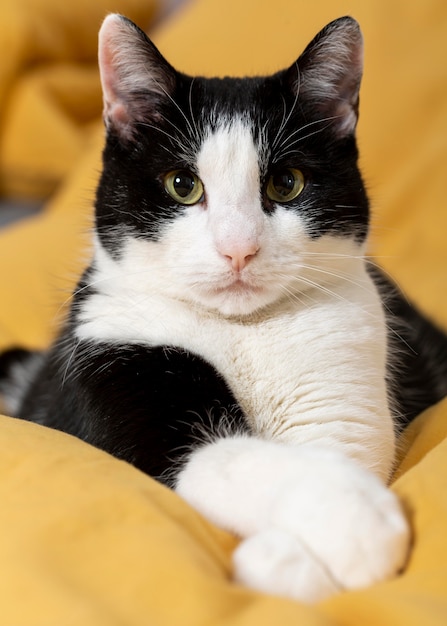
(312, 521)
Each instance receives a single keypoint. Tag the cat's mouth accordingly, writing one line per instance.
(238, 286)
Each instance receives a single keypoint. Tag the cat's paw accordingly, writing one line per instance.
(348, 532)
(275, 561)
(313, 521)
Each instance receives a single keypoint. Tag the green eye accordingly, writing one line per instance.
(285, 185)
(184, 186)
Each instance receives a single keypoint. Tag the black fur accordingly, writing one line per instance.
(417, 355)
(10, 358)
(149, 407)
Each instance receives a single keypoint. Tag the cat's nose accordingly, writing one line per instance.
(239, 255)
(237, 234)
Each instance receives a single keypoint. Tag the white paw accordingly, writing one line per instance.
(341, 530)
(274, 561)
(313, 521)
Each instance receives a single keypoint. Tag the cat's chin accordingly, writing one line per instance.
(238, 300)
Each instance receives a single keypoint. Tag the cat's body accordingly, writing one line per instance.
(228, 337)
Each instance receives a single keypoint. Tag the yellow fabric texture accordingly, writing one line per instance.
(86, 539)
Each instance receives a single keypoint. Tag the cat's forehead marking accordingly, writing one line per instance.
(228, 161)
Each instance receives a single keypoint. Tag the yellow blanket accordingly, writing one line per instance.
(86, 539)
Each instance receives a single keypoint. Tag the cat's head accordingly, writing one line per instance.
(231, 194)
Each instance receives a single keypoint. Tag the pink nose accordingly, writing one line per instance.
(238, 254)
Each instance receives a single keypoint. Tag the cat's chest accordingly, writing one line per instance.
(273, 365)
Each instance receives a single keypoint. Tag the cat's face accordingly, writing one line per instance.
(231, 194)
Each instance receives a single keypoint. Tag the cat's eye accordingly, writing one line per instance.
(285, 185)
(184, 186)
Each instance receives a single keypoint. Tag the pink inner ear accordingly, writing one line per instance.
(105, 61)
(134, 75)
(115, 109)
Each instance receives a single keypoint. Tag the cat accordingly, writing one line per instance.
(230, 338)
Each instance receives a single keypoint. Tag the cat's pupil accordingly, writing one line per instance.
(183, 184)
(283, 183)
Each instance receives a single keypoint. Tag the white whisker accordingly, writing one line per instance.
(285, 147)
(176, 105)
(285, 120)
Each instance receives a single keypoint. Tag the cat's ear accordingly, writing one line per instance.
(135, 77)
(329, 71)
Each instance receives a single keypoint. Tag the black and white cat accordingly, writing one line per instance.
(229, 337)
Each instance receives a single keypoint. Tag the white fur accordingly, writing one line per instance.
(299, 335)
(228, 165)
